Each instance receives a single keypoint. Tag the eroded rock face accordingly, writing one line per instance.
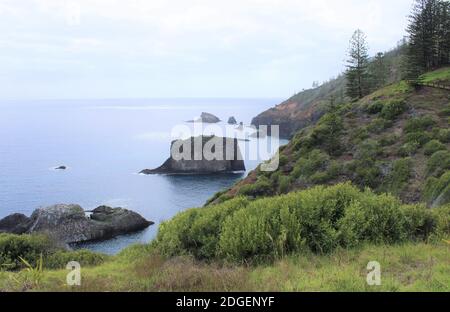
(69, 223)
(197, 160)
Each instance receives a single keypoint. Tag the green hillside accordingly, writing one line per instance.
(395, 140)
(306, 107)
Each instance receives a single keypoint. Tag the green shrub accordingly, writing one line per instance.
(399, 176)
(263, 231)
(419, 222)
(421, 123)
(443, 135)
(327, 133)
(437, 190)
(378, 125)
(262, 187)
(445, 112)
(59, 259)
(393, 109)
(196, 231)
(287, 224)
(408, 149)
(223, 198)
(389, 139)
(314, 161)
(433, 146)
(438, 163)
(29, 247)
(419, 137)
(215, 197)
(364, 168)
(376, 219)
(284, 183)
(318, 220)
(360, 134)
(283, 160)
(368, 149)
(441, 216)
(375, 107)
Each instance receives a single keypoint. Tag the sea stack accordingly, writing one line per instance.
(207, 118)
(232, 121)
(202, 155)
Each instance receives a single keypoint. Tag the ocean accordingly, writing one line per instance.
(105, 144)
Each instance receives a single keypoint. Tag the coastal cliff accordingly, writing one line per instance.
(303, 109)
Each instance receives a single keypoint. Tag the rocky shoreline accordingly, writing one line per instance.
(69, 223)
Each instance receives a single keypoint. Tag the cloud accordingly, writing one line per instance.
(192, 44)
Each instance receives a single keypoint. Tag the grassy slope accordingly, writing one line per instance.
(370, 147)
(409, 267)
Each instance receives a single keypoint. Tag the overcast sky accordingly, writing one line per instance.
(183, 48)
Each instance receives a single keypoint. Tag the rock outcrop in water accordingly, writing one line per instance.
(232, 121)
(69, 223)
(16, 223)
(202, 155)
(207, 118)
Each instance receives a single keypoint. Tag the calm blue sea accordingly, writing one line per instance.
(105, 143)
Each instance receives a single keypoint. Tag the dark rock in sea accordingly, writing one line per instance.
(69, 223)
(207, 118)
(16, 223)
(240, 127)
(61, 168)
(232, 121)
(191, 157)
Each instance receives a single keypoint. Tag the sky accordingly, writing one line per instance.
(67, 49)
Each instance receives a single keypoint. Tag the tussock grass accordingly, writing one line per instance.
(405, 267)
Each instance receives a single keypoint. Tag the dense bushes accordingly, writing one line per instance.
(437, 190)
(28, 247)
(327, 133)
(364, 168)
(375, 107)
(378, 125)
(421, 123)
(307, 165)
(399, 176)
(59, 259)
(262, 187)
(320, 220)
(438, 163)
(443, 135)
(393, 108)
(388, 109)
(196, 231)
(432, 147)
(31, 247)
